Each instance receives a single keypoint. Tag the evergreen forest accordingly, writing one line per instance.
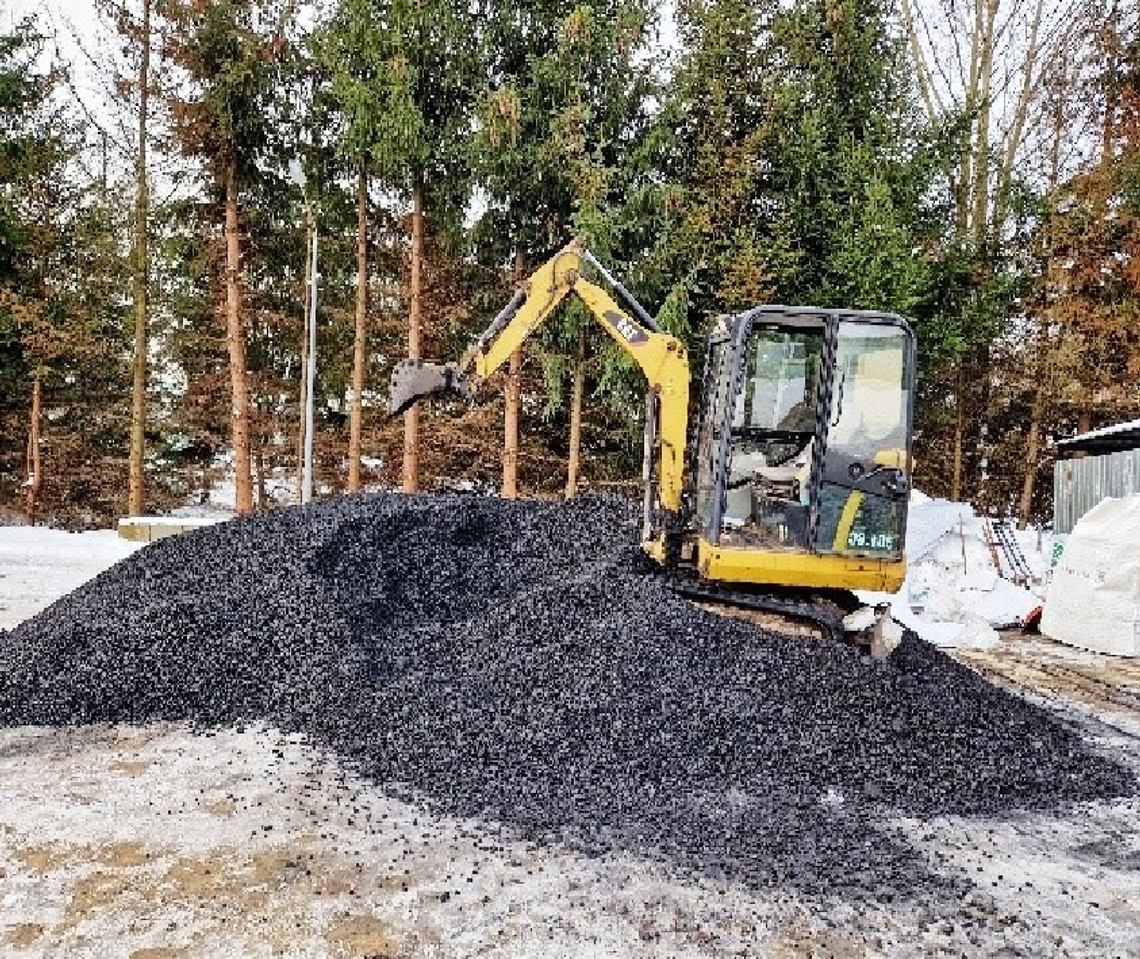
(166, 164)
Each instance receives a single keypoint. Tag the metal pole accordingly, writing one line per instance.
(311, 373)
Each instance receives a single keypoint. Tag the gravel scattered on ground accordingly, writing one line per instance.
(519, 662)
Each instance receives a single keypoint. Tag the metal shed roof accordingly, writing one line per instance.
(1108, 439)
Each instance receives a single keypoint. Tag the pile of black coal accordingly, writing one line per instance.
(519, 662)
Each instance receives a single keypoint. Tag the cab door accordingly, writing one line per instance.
(864, 479)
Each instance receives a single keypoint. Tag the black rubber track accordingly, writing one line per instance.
(517, 661)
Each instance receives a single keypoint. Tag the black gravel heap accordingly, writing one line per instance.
(519, 662)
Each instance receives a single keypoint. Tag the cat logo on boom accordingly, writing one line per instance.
(630, 333)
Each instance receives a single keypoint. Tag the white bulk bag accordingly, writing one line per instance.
(1094, 599)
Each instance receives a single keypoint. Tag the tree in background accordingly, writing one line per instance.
(61, 317)
(601, 132)
(358, 87)
(988, 83)
(799, 170)
(1094, 249)
(1062, 362)
(852, 169)
(31, 151)
(558, 129)
(405, 89)
(525, 179)
(721, 243)
(231, 55)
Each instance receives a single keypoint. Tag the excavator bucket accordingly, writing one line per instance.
(414, 379)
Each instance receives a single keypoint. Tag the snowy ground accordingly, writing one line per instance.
(38, 565)
(158, 842)
(955, 595)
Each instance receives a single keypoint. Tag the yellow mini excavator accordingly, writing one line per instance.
(790, 489)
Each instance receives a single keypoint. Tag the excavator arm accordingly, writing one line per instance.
(661, 357)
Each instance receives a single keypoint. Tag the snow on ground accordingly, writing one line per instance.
(38, 565)
(954, 595)
(155, 841)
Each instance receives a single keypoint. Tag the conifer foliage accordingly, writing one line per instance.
(716, 154)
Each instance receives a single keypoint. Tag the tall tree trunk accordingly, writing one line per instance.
(415, 340)
(1021, 112)
(1111, 45)
(982, 137)
(259, 459)
(303, 393)
(966, 177)
(34, 464)
(1033, 440)
(512, 401)
(360, 345)
(959, 426)
(576, 397)
(235, 339)
(1043, 366)
(136, 484)
(922, 70)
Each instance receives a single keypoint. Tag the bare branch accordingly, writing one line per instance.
(1014, 135)
(929, 94)
(933, 46)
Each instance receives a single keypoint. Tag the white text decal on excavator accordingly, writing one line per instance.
(630, 333)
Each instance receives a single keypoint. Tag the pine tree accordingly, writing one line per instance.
(403, 75)
(529, 201)
(31, 151)
(232, 55)
(723, 243)
(61, 322)
(558, 150)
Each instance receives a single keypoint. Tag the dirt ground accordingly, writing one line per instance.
(158, 842)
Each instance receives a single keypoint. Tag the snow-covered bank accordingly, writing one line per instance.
(954, 595)
(38, 565)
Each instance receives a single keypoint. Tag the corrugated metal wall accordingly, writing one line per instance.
(1078, 485)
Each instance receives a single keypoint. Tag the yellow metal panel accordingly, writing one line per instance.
(732, 565)
(894, 459)
(546, 288)
(663, 360)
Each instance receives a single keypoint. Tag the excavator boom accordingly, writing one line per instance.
(661, 357)
(800, 472)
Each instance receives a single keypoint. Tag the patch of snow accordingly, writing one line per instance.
(38, 565)
(953, 595)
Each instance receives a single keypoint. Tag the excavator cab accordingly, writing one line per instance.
(799, 465)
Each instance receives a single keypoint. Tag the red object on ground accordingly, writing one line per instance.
(1032, 621)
